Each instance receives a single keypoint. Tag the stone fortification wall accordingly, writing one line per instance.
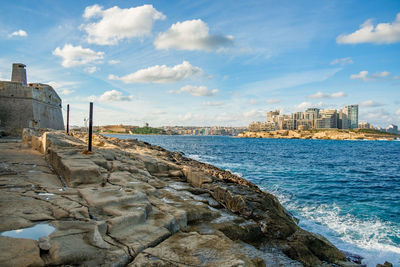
(33, 106)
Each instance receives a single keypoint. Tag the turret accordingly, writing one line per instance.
(19, 73)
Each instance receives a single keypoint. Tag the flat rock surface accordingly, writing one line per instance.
(130, 203)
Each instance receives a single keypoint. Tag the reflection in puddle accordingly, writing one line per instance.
(33, 232)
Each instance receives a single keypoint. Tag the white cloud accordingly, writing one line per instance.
(396, 77)
(191, 35)
(398, 112)
(342, 61)
(91, 69)
(92, 11)
(20, 33)
(195, 90)
(111, 96)
(66, 92)
(382, 74)
(327, 95)
(370, 103)
(272, 101)
(254, 113)
(63, 87)
(117, 23)
(76, 55)
(213, 104)
(289, 81)
(363, 75)
(161, 74)
(382, 33)
(305, 105)
(377, 116)
(113, 62)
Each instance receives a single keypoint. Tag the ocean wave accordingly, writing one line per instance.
(367, 238)
(235, 173)
(194, 156)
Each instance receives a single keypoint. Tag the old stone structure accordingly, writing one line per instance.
(33, 105)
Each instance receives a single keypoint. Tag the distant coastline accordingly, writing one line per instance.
(325, 134)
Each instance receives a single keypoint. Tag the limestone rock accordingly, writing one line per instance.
(196, 178)
(192, 249)
(131, 199)
(386, 264)
(19, 252)
(44, 243)
(74, 168)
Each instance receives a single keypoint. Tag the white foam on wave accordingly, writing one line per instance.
(194, 156)
(235, 173)
(367, 238)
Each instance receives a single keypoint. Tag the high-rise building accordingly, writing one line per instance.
(272, 116)
(343, 121)
(392, 129)
(312, 114)
(352, 115)
(328, 119)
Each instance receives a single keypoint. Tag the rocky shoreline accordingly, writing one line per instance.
(331, 134)
(129, 203)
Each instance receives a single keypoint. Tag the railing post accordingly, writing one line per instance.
(90, 126)
(68, 119)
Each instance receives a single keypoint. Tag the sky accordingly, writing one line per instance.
(204, 63)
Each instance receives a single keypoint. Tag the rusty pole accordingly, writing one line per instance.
(90, 126)
(68, 119)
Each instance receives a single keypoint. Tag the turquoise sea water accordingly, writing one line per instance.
(348, 191)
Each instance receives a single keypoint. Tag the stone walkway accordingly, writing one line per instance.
(21, 166)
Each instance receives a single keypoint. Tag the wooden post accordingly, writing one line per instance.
(68, 119)
(90, 126)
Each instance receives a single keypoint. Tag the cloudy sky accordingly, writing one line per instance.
(208, 62)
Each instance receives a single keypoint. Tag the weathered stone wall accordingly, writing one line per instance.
(33, 106)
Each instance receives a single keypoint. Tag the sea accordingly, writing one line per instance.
(348, 191)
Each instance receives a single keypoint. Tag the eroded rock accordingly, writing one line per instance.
(131, 202)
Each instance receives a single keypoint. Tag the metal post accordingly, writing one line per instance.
(68, 119)
(90, 126)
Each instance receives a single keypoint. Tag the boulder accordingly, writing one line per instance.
(196, 178)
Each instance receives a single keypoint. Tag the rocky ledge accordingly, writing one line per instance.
(328, 134)
(129, 203)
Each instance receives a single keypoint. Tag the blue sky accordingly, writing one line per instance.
(208, 62)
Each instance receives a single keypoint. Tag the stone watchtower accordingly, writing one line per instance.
(19, 73)
(23, 105)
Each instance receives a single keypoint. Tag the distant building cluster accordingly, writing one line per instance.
(171, 130)
(394, 129)
(312, 118)
(212, 130)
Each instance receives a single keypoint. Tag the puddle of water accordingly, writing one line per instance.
(46, 194)
(33, 232)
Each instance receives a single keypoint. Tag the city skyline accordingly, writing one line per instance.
(311, 118)
(208, 63)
